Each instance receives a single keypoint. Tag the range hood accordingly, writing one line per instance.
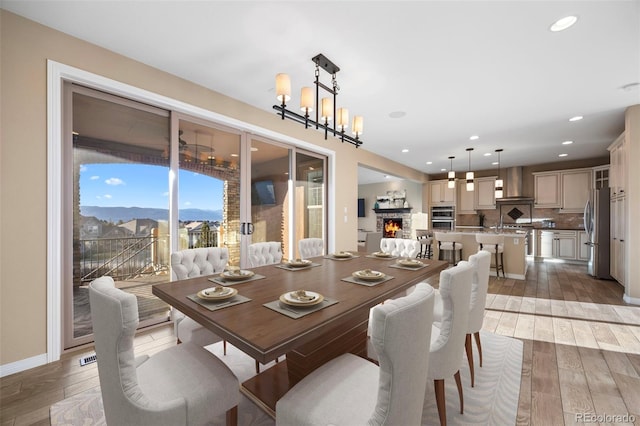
(513, 187)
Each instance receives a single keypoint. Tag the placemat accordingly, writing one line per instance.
(219, 280)
(408, 268)
(291, 268)
(214, 305)
(381, 258)
(367, 283)
(295, 312)
(353, 256)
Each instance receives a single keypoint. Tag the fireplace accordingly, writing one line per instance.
(391, 226)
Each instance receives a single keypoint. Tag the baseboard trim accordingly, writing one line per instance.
(631, 300)
(22, 365)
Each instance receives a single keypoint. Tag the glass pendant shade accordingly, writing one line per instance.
(469, 181)
(283, 87)
(499, 189)
(452, 179)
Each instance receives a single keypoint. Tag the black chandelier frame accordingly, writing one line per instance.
(323, 62)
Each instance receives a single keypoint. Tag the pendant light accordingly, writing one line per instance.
(499, 193)
(469, 173)
(452, 175)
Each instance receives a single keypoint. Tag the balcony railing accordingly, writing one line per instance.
(129, 257)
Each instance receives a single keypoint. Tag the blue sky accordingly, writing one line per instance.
(138, 185)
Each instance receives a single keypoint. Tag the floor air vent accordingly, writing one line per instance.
(88, 359)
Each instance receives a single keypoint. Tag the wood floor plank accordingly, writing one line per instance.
(524, 327)
(575, 392)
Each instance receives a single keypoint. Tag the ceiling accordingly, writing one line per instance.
(426, 75)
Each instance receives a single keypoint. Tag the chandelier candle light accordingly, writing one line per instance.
(469, 173)
(499, 183)
(325, 108)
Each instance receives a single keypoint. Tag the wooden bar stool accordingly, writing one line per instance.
(493, 244)
(450, 242)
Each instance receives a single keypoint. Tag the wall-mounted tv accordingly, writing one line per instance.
(361, 212)
(263, 193)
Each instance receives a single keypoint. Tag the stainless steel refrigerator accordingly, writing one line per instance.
(596, 223)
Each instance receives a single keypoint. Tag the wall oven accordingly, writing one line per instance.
(443, 218)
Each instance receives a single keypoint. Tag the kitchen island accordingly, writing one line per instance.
(515, 254)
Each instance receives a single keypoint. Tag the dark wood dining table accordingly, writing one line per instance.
(309, 341)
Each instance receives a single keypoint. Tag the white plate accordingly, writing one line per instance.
(369, 275)
(311, 298)
(298, 263)
(212, 294)
(342, 254)
(410, 262)
(381, 254)
(237, 275)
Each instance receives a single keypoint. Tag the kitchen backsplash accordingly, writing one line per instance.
(492, 217)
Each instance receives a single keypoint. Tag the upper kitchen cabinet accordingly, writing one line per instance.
(575, 189)
(547, 189)
(465, 199)
(441, 194)
(618, 167)
(567, 190)
(485, 193)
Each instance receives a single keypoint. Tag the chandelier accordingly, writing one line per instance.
(325, 110)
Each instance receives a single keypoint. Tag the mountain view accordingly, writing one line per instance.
(115, 214)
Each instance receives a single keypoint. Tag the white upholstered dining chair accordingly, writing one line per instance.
(350, 390)
(448, 336)
(265, 253)
(403, 247)
(310, 247)
(182, 385)
(191, 263)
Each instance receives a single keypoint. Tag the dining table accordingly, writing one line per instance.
(307, 341)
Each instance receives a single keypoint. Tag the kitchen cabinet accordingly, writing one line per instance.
(575, 188)
(583, 248)
(484, 193)
(567, 190)
(441, 194)
(561, 244)
(600, 177)
(466, 203)
(618, 170)
(547, 189)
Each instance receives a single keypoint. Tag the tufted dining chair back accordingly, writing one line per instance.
(310, 247)
(265, 253)
(402, 247)
(198, 261)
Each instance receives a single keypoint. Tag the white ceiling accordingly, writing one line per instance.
(456, 68)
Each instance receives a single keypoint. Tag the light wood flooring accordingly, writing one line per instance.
(581, 351)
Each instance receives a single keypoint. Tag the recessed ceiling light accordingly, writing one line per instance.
(405, 150)
(234, 155)
(474, 137)
(397, 114)
(567, 142)
(576, 118)
(443, 170)
(563, 23)
(495, 163)
(562, 155)
(429, 162)
(487, 154)
(387, 176)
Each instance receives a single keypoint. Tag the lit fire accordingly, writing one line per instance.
(391, 227)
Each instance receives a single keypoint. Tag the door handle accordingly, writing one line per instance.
(250, 226)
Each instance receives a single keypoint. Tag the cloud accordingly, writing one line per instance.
(187, 203)
(114, 181)
(165, 194)
(107, 195)
(83, 168)
(94, 177)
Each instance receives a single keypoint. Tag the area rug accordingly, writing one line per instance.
(493, 400)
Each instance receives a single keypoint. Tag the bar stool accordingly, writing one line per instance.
(449, 242)
(425, 238)
(493, 244)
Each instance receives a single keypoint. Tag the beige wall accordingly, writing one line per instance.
(632, 132)
(25, 49)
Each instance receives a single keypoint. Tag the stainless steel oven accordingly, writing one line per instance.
(443, 218)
